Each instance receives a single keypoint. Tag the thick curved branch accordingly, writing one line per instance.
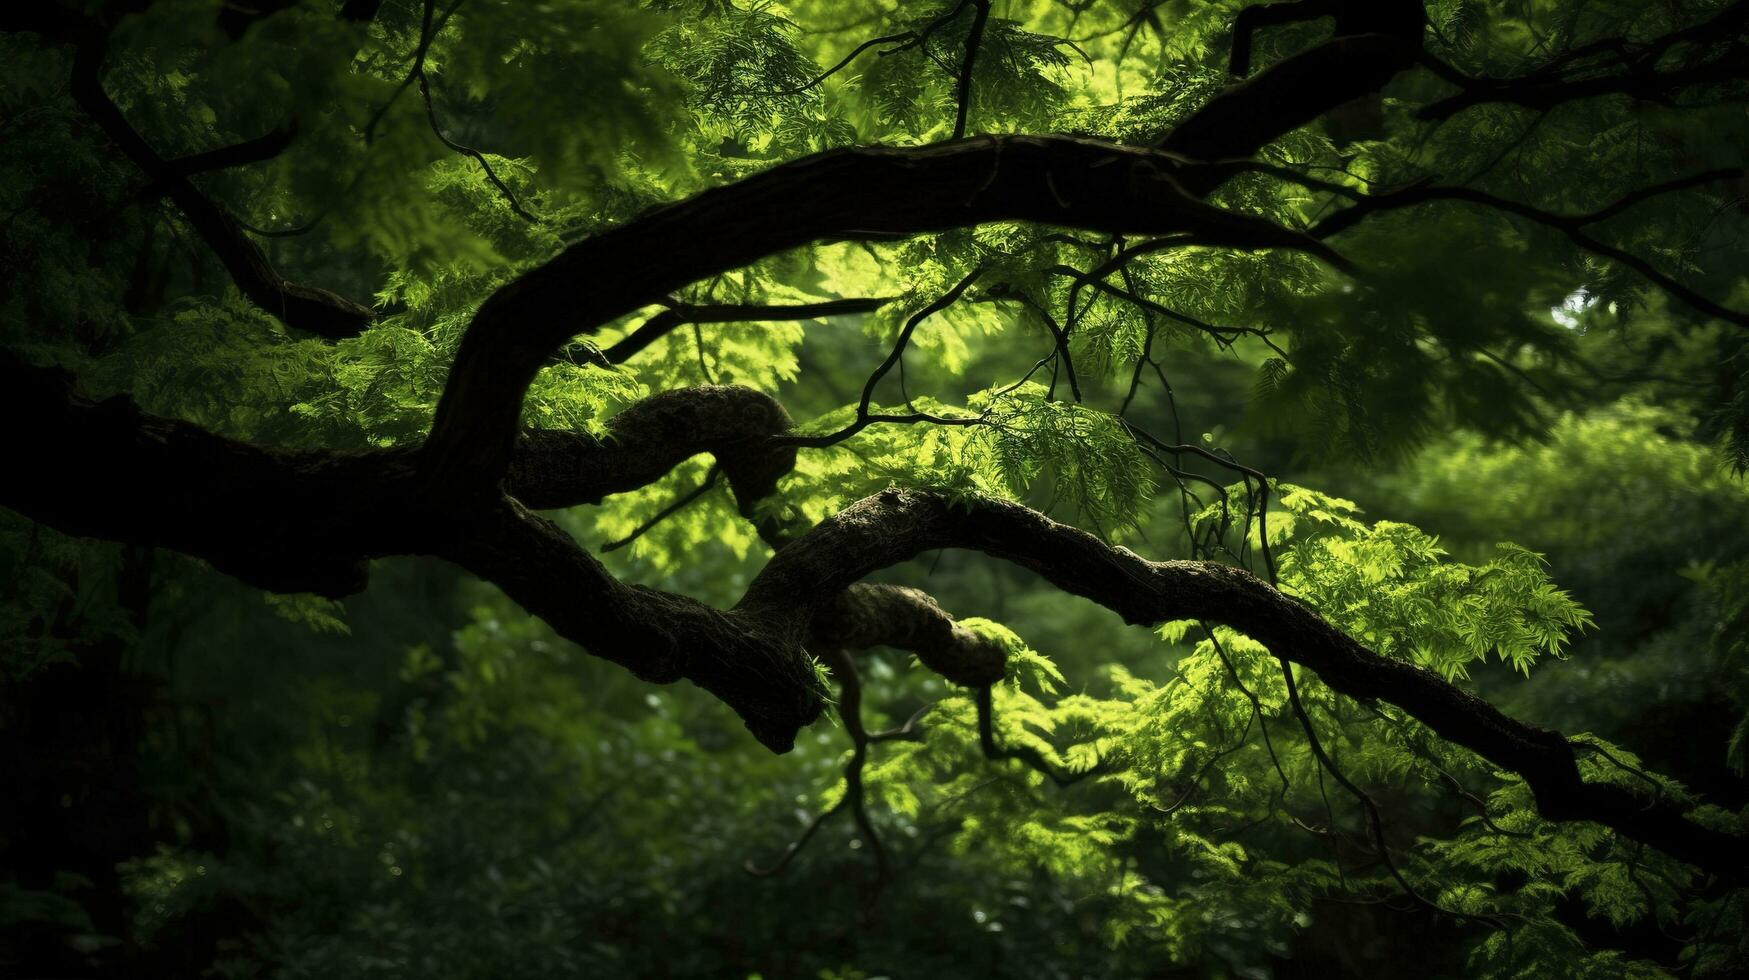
(860, 193)
(280, 520)
(897, 525)
(258, 150)
(308, 521)
(872, 193)
(295, 521)
(866, 615)
(555, 468)
(752, 660)
(1375, 41)
(1253, 19)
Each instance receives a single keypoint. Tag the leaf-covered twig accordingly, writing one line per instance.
(423, 77)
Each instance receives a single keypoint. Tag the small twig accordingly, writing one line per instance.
(987, 743)
(835, 69)
(680, 503)
(420, 75)
(1573, 226)
(850, 711)
(904, 733)
(1374, 819)
(864, 416)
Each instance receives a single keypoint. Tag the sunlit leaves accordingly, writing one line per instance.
(577, 398)
(709, 525)
(1027, 668)
(1082, 457)
(736, 63)
(1392, 586)
(1017, 444)
(1206, 834)
(1216, 743)
(515, 58)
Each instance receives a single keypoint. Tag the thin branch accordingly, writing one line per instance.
(835, 69)
(1573, 226)
(980, 15)
(1634, 72)
(1024, 754)
(936, 305)
(1375, 821)
(830, 439)
(678, 313)
(1256, 705)
(865, 416)
(904, 733)
(258, 150)
(858, 193)
(299, 306)
(679, 504)
(423, 77)
(427, 32)
(854, 798)
(1059, 334)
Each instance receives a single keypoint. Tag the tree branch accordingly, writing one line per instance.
(677, 505)
(258, 150)
(1252, 19)
(860, 193)
(308, 521)
(1241, 120)
(1639, 77)
(866, 615)
(301, 307)
(679, 314)
(739, 426)
(1573, 226)
(896, 525)
(225, 501)
(423, 76)
(873, 193)
(974, 37)
(1732, 65)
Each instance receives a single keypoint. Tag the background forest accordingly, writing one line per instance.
(1455, 358)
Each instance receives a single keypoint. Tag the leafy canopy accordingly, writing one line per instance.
(511, 800)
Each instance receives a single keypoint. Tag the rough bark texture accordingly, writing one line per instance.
(736, 425)
(867, 615)
(852, 193)
(311, 521)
